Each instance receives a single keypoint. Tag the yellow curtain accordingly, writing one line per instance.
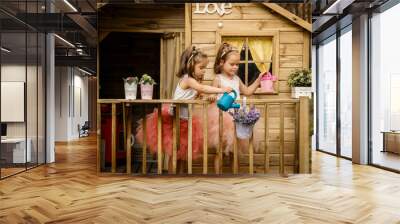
(172, 47)
(261, 50)
(236, 42)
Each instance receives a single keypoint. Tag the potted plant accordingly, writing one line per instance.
(130, 86)
(300, 81)
(245, 121)
(146, 87)
(267, 82)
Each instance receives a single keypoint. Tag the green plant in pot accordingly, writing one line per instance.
(130, 86)
(146, 87)
(300, 80)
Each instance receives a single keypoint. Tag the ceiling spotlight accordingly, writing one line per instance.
(70, 5)
(65, 41)
(5, 50)
(84, 71)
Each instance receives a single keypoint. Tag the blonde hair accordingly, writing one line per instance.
(224, 51)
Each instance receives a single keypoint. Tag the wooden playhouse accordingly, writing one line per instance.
(142, 38)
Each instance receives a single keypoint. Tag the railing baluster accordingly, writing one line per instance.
(296, 134)
(128, 141)
(251, 155)
(205, 139)
(220, 145)
(175, 138)
(190, 139)
(282, 140)
(124, 124)
(235, 152)
(159, 140)
(144, 146)
(178, 135)
(113, 138)
(99, 144)
(266, 150)
(251, 151)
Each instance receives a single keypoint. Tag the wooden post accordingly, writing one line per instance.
(296, 146)
(251, 155)
(113, 138)
(235, 152)
(159, 140)
(175, 138)
(128, 141)
(220, 145)
(99, 151)
(304, 136)
(124, 124)
(205, 139)
(188, 25)
(190, 139)
(282, 140)
(266, 150)
(144, 146)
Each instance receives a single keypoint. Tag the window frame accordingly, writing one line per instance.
(275, 52)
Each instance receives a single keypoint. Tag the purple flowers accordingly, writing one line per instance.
(245, 117)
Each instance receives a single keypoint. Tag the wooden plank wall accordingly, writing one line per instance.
(294, 51)
(142, 18)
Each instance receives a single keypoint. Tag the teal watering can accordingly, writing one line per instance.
(227, 101)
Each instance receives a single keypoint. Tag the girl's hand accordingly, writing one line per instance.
(261, 75)
(212, 98)
(227, 89)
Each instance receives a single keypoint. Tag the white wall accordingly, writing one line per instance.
(61, 103)
(33, 127)
(71, 94)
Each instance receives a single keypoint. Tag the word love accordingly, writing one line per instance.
(211, 8)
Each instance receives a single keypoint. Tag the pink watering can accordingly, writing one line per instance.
(267, 82)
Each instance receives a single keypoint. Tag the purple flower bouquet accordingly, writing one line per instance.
(245, 121)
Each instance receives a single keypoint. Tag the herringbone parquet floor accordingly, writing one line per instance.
(69, 191)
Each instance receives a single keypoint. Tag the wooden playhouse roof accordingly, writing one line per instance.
(290, 16)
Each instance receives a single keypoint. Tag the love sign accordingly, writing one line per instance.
(211, 8)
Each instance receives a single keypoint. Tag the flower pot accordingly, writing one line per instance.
(146, 91)
(130, 90)
(267, 86)
(243, 131)
(301, 91)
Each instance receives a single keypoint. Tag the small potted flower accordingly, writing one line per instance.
(130, 86)
(267, 82)
(300, 81)
(146, 87)
(245, 121)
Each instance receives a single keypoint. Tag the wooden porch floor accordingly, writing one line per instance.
(69, 191)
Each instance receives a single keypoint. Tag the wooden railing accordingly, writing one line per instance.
(302, 160)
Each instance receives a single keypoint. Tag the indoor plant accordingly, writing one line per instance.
(146, 86)
(130, 86)
(267, 82)
(245, 121)
(300, 81)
